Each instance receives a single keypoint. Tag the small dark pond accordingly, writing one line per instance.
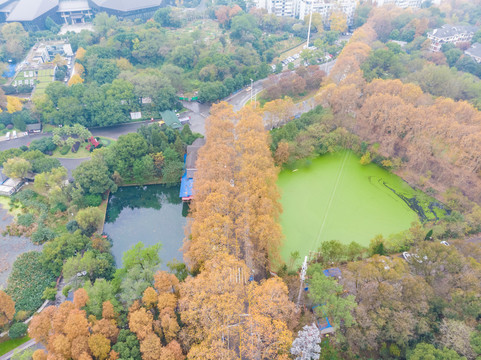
(150, 214)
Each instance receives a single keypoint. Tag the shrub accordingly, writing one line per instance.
(49, 294)
(24, 196)
(25, 219)
(18, 330)
(21, 315)
(89, 219)
(58, 207)
(93, 200)
(64, 150)
(45, 145)
(2, 126)
(66, 290)
(27, 281)
(72, 226)
(42, 235)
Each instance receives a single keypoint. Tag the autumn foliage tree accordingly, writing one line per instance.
(7, 308)
(66, 332)
(434, 142)
(221, 310)
(236, 204)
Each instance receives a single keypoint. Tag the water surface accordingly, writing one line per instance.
(337, 198)
(150, 214)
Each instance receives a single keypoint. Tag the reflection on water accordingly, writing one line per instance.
(150, 214)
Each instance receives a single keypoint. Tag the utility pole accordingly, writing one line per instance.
(309, 29)
(303, 277)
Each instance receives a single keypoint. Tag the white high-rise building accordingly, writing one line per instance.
(318, 6)
(283, 7)
(326, 7)
(401, 3)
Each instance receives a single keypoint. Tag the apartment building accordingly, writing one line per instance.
(401, 3)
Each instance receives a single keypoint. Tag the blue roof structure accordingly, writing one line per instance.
(186, 185)
(190, 158)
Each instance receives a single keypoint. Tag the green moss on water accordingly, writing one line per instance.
(334, 197)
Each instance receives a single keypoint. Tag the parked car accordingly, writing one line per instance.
(445, 243)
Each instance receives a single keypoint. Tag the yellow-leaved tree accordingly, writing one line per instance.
(75, 79)
(338, 21)
(14, 104)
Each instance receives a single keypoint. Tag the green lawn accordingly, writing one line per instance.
(11, 344)
(80, 154)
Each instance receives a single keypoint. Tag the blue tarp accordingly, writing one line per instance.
(186, 186)
(328, 325)
(332, 272)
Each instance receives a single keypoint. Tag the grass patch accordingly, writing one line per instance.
(5, 203)
(11, 344)
(48, 128)
(81, 153)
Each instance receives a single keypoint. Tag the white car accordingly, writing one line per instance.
(445, 243)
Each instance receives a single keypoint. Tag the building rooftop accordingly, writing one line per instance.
(7, 5)
(29, 10)
(33, 127)
(191, 157)
(73, 5)
(474, 50)
(171, 119)
(451, 30)
(127, 5)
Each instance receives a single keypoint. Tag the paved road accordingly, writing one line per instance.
(15, 143)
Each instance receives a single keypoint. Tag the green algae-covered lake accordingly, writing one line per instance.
(337, 198)
(150, 214)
